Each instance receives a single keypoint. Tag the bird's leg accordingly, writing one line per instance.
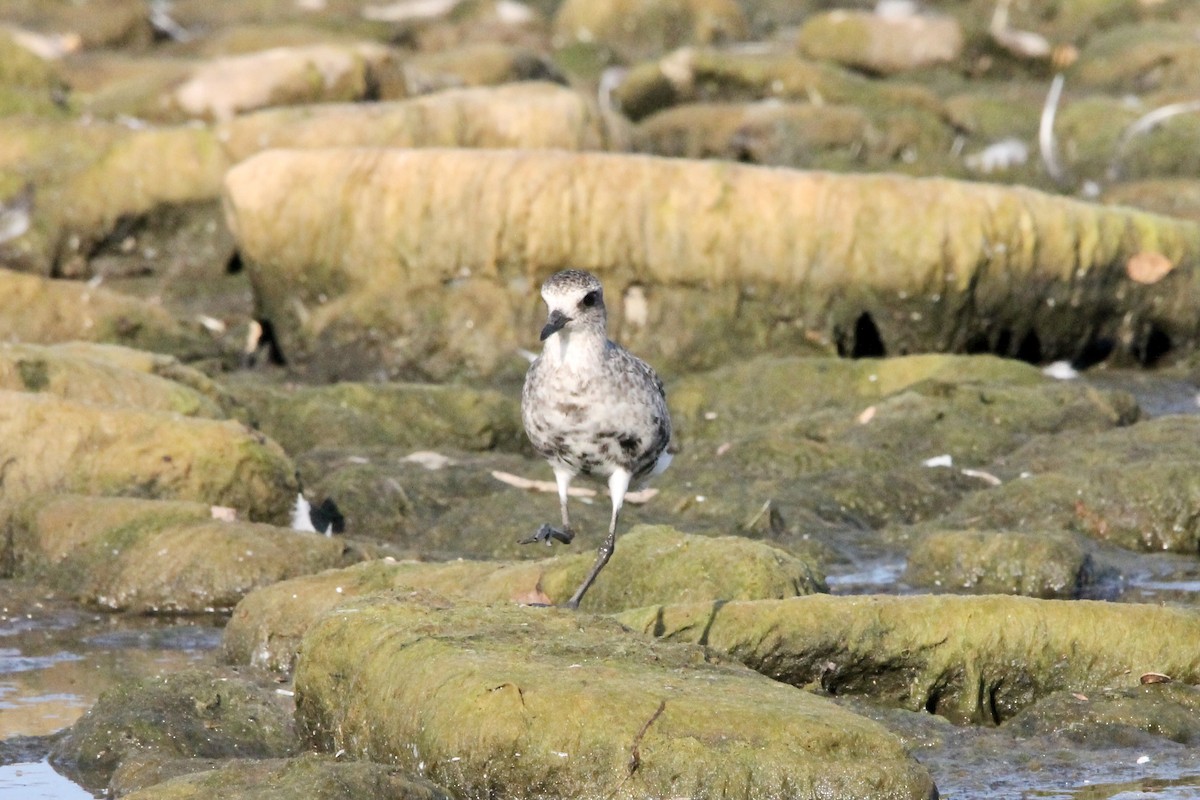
(546, 533)
(618, 484)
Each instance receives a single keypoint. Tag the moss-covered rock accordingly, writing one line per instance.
(153, 556)
(805, 415)
(970, 659)
(1146, 57)
(478, 64)
(1109, 716)
(193, 714)
(49, 444)
(104, 23)
(640, 28)
(419, 416)
(617, 716)
(880, 43)
(157, 365)
(949, 265)
(779, 134)
(523, 115)
(1094, 133)
(1033, 563)
(710, 75)
(46, 311)
(84, 373)
(1176, 197)
(649, 564)
(311, 776)
(225, 86)
(1134, 487)
(28, 83)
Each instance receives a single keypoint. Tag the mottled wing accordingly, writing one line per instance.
(647, 387)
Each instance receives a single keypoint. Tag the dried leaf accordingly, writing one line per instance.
(1148, 267)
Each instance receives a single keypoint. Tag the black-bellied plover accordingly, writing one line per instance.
(591, 407)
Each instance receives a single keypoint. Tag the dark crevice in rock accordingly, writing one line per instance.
(867, 342)
(1094, 351)
(1030, 349)
(1152, 347)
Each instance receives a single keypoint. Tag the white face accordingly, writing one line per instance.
(569, 302)
(574, 308)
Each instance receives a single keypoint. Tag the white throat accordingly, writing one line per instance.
(573, 350)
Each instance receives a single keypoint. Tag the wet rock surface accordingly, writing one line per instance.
(248, 250)
(717, 729)
(320, 778)
(652, 562)
(153, 556)
(192, 714)
(895, 648)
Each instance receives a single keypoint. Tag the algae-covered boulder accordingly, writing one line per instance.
(771, 132)
(638, 28)
(881, 43)
(1095, 133)
(477, 64)
(650, 563)
(421, 416)
(970, 659)
(51, 444)
(45, 311)
(1135, 487)
(95, 185)
(28, 83)
(1176, 197)
(222, 87)
(158, 365)
(530, 702)
(1146, 57)
(1034, 563)
(780, 416)
(85, 374)
(782, 134)
(700, 74)
(311, 776)
(703, 261)
(522, 115)
(104, 23)
(154, 556)
(193, 714)
(1160, 706)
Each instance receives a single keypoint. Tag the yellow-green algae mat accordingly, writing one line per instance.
(970, 659)
(652, 564)
(522, 702)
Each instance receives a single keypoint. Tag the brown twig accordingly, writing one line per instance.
(635, 752)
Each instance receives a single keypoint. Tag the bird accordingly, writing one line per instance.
(591, 407)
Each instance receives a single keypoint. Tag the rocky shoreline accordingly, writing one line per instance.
(249, 251)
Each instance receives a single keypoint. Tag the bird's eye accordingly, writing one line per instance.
(590, 298)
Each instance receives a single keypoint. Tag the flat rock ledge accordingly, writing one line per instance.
(650, 562)
(970, 659)
(539, 702)
(426, 262)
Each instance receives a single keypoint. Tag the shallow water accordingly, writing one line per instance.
(55, 661)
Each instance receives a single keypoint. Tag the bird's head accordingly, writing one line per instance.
(575, 301)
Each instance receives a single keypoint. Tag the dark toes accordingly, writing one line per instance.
(547, 534)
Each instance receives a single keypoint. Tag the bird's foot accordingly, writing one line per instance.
(548, 534)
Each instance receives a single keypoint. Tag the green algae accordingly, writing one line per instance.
(970, 659)
(649, 563)
(194, 714)
(533, 703)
